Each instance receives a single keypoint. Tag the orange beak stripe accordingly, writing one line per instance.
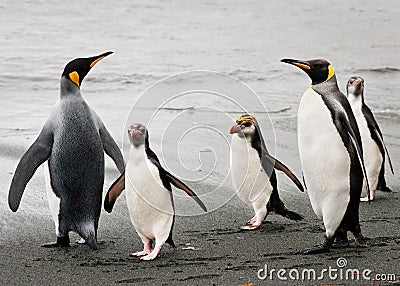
(96, 61)
(302, 66)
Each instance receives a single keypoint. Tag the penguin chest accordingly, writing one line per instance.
(372, 156)
(249, 179)
(324, 158)
(149, 203)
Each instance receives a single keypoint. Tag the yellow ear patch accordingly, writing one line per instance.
(250, 118)
(302, 66)
(74, 76)
(96, 61)
(331, 72)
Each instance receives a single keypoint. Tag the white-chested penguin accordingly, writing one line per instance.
(253, 174)
(371, 136)
(73, 141)
(330, 151)
(148, 194)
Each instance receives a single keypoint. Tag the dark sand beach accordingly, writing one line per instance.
(222, 255)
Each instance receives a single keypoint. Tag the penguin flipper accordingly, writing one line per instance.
(37, 153)
(372, 124)
(114, 192)
(281, 167)
(179, 184)
(386, 150)
(350, 131)
(111, 148)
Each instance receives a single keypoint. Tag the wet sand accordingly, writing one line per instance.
(224, 255)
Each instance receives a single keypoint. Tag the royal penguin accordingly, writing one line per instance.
(253, 174)
(148, 194)
(371, 136)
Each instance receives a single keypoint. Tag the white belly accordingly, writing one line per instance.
(372, 156)
(248, 177)
(149, 203)
(53, 200)
(324, 159)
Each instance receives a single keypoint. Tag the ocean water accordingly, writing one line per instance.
(153, 40)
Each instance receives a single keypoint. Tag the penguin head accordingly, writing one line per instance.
(355, 86)
(318, 70)
(137, 134)
(77, 69)
(246, 126)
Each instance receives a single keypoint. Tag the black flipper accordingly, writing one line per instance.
(386, 151)
(114, 192)
(345, 123)
(38, 153)
(281, 167)
(373, 125)
(111, 148)
(179, 184)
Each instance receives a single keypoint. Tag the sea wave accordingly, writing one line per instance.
(386, 70)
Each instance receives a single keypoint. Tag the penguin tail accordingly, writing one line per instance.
(276, 205)
(92, 242)
(290, 214)
(89, 234)
(386, 189)
(170, 241)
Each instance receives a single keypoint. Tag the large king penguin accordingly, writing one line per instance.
(372, 140)
(73, 141)
(253, 174)
(331, 155)
(148, 194)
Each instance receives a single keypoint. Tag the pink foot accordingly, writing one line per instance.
(252, 221)
(152, 254)
(371, 197)
(254, 226)
(146, 250)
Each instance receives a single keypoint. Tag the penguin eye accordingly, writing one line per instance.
(247, 123)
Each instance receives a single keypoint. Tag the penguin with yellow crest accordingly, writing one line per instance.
(253, 174)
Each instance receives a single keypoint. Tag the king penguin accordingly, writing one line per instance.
(253, 174)
(148, 194)
(73, 141)
(371, 137)
(331, 155)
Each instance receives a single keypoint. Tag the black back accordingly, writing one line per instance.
(343, 119)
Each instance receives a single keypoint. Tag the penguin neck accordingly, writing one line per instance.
(137, 153)
(356, 101)
(326, 87)
(332, 81)
(68, 88)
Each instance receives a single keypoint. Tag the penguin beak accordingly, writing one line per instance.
(134, 132)
(359, 81)
(235, 129)
(99, 58)
(298, 63)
